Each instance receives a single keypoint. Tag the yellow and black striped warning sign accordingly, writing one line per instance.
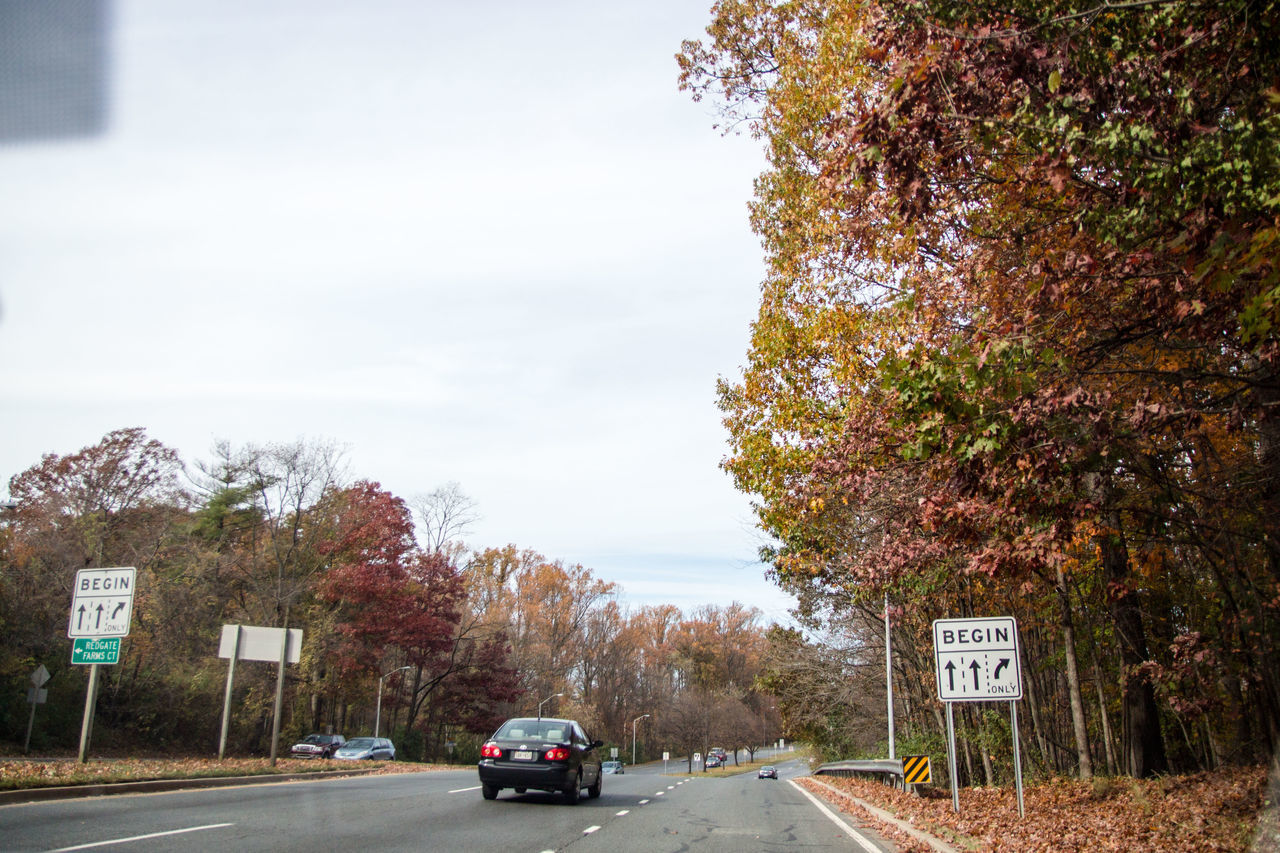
(915, 770)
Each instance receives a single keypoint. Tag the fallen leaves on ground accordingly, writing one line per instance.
(55, 772)
(1213, 811)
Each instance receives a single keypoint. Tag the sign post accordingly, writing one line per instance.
(231, 674)
(37, 695)
(977, 661)
(101, 606)
(250, 642)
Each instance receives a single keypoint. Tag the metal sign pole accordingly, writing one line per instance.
(226, 702)
(1017, 756)
(284, 655)
(86, 725)
(31, 721)
(38, 679)
(951, 759)
(888, 672)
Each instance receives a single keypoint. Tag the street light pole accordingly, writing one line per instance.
(633, 738)
(377, 717)
(545, 701)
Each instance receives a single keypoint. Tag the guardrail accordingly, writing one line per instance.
(887, 769)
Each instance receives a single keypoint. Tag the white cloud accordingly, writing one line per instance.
(488, 242)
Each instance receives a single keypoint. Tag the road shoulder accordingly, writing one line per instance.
(890, 825)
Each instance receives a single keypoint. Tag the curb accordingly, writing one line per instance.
(67, 792)
(891, 819)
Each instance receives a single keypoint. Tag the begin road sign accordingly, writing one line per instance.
(102, 603)
(977, 659)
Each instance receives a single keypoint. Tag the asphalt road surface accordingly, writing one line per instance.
(642, 810)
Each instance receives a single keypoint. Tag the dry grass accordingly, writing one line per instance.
(15, 774)
(1218, 811)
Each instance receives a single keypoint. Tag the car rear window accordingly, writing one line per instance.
(533, 729)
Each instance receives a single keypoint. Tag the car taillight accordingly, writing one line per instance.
(557, 754)
(490, 750)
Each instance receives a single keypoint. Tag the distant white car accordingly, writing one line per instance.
(612, 767)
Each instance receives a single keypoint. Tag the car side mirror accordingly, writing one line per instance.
(596, 744)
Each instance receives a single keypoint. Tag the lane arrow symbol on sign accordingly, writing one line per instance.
(116, 612)
(1000, 667)
(951, 675)
(80, 621)
(975, 667)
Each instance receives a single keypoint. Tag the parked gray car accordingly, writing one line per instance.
(366, 749)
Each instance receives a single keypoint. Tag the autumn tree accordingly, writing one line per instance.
(1019, 321)
(396, 605)
(117, 502)
(261, 502)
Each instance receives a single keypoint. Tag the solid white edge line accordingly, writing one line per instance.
(464, 790)
(141, 837)
(822, 807)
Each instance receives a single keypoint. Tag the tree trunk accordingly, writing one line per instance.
(1083, 758)
(1143, 743)
(1037, 727)
(1108, 740)
(970, 776)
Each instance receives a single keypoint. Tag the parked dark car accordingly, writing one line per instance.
(317, 746)
(366, 749)
(768, 772)
(543, 754)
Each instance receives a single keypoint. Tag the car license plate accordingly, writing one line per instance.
(522, 755)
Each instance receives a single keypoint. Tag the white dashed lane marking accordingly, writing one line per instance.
(143, 837)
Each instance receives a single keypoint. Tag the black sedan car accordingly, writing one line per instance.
(768, 772)
(543, 754)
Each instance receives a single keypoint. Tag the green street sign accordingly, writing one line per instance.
(87, 650)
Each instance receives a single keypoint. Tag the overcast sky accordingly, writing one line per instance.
(484, 242)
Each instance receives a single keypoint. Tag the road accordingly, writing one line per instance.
(642, 811)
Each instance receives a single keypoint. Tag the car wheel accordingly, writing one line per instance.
(593, 790)
(490, 791)
(571, 791)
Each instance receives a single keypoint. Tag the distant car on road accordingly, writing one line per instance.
(544, 754)
(713, 761)
(317, 746)
(612, 767)
(768, 772)
(366, 749)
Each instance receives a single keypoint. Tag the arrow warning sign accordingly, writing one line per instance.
(977, 659)
(102, 602)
